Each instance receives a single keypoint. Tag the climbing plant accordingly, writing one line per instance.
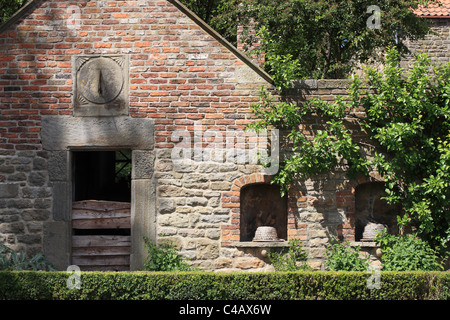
(406, 123)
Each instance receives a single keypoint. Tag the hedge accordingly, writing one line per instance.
(26, 285)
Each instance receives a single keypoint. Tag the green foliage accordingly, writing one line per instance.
(164, 257)
(9, 7)
(205, 9)
(288, 261)
(407, 139)
(407, 253)
(342, 257)
(224, 286)
(326, 38)
(12, 260)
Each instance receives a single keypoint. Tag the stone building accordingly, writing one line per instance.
(126, 119)
(437, 43)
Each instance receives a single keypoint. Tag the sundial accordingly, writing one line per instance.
(101, 85)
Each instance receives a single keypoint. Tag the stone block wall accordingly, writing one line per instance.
(436, 44)
(25, 199)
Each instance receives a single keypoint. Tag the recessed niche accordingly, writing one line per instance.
(261, 204)
(371, 208)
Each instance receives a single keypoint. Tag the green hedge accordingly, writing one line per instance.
(223, 286)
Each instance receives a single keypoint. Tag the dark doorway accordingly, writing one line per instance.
(262, 205)
(102, 175)
(101, 210)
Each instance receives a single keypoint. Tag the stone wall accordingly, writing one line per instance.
(25, 199)
(436, 44)
(199, 205)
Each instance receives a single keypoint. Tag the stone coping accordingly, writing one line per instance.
(260, 244)
(364, 244)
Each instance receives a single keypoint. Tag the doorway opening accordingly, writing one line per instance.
(101, 210)
(102, 175)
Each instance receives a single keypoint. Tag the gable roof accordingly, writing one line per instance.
(440, 9)
(30, 5)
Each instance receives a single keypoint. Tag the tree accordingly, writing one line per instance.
(9, 7)
(407, 125)
(325, 38)
(205, 9)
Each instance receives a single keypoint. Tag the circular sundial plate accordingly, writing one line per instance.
(100, 80)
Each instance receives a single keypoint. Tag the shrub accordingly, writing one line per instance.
(342, 257)
(164, 258)
(407, 253)
(288, 261)
(342, 285)
(13, 260)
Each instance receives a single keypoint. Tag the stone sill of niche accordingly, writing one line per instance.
(260, 244)
(278, 244)
(364, 244)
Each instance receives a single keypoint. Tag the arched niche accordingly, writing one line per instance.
(371, 207)
(261, 204)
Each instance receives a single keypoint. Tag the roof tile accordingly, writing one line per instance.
(439, 9)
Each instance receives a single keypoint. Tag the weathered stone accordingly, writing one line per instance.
(143, 164)
(184, 167)
(309, 216)
(39, 164)
(101, 85)
(164, 165)
(166, 206)
(60, 132)
(143, 220)
(222, 185)
(9, 190)
(317, 233)
(214, 202)
(167, 231)
(213, 234)
(207, 249)
(223, 262)
(214, 219)
(318, 242)
(35, 214)
(56, 244)
(6, 217)
(61, 207)
(58, 166)
(42, 203)
(196, 201)
(189, 244)
(174, 220)
(19, 203)
(6, 169)
(184, 209)
(34, 226)
(37, 178)
(176, 242)
(14, 227)
(248, 263)
(18, 176)
(29, 238)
